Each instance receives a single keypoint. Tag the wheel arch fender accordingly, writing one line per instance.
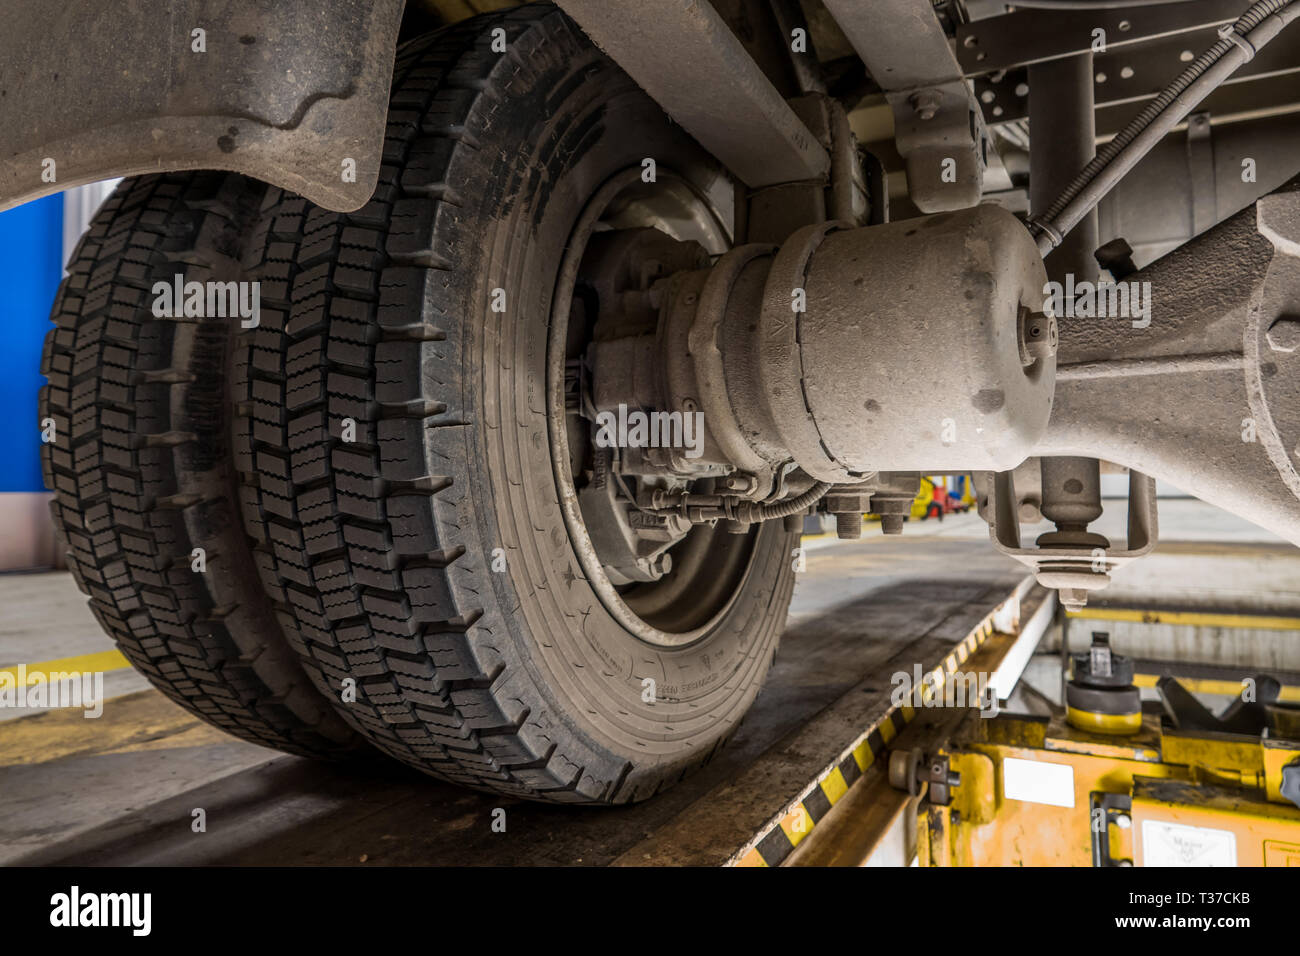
(294, 94)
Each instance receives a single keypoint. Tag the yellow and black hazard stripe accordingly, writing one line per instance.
(779, 836)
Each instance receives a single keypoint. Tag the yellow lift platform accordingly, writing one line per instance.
(1107, 781)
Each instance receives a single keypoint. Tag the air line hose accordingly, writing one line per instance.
(1238, 44)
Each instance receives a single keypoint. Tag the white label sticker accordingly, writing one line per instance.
(1176, 844)
(1036, 781)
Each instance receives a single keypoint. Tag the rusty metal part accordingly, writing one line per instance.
(726, 563)
(626, 275)
(632, 544)
(739, 512)
(676, 49)
(292, 94)
(938, 126)
(848, 526)
(1131, 73)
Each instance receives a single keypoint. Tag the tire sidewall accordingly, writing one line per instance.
(575, 120)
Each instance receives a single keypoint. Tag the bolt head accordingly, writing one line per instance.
(663, 564)
(1284, 334)
(926, 103)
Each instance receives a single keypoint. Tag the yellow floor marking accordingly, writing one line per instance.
(145, 720)
(1264, 622)
(82, 664)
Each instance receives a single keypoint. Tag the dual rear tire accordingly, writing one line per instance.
(371, 468)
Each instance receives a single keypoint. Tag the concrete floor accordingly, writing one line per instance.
(122, 788)
(46, 619)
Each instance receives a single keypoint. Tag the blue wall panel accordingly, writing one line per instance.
(31, 266)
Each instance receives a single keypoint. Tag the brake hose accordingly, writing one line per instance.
(1238, 44)
(792, 506)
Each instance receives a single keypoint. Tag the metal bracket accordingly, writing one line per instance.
(1032, 36)
(1200, 166)
(773, 213)
(938, 127)
(1073, 571)
(940, 133)
(912, 772)
(1117, 809)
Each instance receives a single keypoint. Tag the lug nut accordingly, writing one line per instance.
(891, 524)
(848, 525)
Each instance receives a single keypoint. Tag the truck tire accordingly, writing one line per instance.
(396, 442)
(141, 472)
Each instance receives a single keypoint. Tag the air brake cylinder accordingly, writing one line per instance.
(917, 345)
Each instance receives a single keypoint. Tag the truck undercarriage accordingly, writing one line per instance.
(552, 362)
